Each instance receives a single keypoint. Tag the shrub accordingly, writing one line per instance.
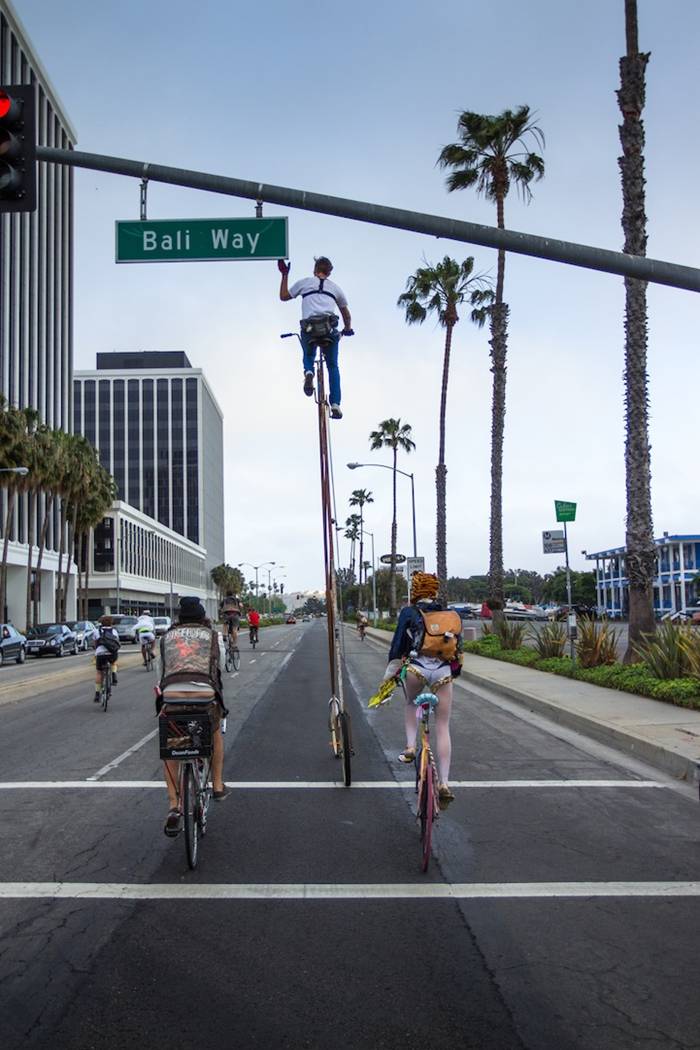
(486, 629)
(510, 633)
(556, 665)
(596, 643)
(550, 640)
(666, 653)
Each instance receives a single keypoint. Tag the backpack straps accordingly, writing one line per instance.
(320, 291)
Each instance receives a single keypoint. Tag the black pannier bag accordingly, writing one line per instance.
(320, 328)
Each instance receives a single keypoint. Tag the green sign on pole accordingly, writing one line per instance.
(565, 511)
(201, 240)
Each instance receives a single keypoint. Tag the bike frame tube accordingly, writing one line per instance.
(328, 542)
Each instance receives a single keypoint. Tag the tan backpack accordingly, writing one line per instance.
(441, 633)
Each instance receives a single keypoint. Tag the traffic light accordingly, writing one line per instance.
(17, 148)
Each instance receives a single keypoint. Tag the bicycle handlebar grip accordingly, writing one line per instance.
(348, 331)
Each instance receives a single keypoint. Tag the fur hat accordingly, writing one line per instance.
(191, 610)
(424, 585)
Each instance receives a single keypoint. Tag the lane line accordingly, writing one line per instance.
(349, 891)
(117, 761)
(252, 661)
(296, 785)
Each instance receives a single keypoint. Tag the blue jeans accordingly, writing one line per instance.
(331, 355)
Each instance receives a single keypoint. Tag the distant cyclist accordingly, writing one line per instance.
(107, 647)
(362, 624)
(253, 623)
(146, 633)
(230, 612)
(320, 297)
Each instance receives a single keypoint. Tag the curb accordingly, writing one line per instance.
(677, 765)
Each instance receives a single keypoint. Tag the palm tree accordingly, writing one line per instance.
(393, 434)
(358, 499)
(352, 533)
(439, 290)
(492, 154)
(640, 556)
(12, 452)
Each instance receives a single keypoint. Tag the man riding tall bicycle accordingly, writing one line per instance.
(320, 296)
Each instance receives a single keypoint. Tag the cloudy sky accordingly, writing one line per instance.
(356, 101)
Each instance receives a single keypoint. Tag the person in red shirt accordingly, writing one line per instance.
(253, 623)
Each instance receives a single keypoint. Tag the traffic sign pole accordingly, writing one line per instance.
(570, 615)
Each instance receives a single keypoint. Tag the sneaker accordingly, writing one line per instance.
(219, 796)
(308, 383)
(335, 412)
(96, 697)
(114, 679)
(445, 796)
(173, 823)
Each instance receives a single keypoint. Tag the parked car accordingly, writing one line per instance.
(125, 626)
(83, 632)
(291, 619)
(51, 639)
(13, 645)
(162, 624)
(306, 619)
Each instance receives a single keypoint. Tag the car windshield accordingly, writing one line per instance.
(43, 629)
(79, 626)
(126, 621)
(160, 619)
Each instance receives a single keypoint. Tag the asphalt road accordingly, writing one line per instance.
(308, 923)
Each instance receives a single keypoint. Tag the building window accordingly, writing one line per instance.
(149, 471)
(104, 424)
(178, 523)
(163, 429)
(119, 443)
(191, 452)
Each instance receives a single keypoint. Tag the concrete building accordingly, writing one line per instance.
(36, 304)
(675, 587)
(159, 431)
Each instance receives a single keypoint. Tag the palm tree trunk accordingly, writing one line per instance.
(31, 502)
(40, 557)
(498, 343)
(392, 576)
(69, 558)
(88, 549)
(61, 548)
(11, 493)
(441, 473)
(359, 601)
(641, 555)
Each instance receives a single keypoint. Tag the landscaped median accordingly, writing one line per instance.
(632, 678)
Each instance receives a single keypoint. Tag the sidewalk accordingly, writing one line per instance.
(663, 735)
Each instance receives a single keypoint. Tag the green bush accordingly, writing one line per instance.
(666, 652)
(510, 633)
(549, 640)
(596, 644)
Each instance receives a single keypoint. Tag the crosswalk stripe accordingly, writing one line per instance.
(296, 785)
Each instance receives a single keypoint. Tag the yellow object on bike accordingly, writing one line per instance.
(384, 693)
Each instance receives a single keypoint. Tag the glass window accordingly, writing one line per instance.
(191, 433)
(119, 439)
(178, 523)
(89, 394)
(149, 473)
(104, 439)
(163, 452)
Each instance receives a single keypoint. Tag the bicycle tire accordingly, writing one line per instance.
(204, 797)
(427, 813)
(106, 689)
(334, 727)
(236, 659)
(346, 744)
(228, 662)
(189, 812)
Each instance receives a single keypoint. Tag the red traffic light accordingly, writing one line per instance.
(5, 104)
(17, 148)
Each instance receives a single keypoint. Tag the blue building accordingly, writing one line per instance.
(675, 582)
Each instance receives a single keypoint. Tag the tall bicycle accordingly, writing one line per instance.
(339, 724)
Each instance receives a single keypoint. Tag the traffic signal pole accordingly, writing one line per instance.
(635, 266)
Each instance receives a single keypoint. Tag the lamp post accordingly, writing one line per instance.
(374, 580)
(387, 466)
(22, 471)
(256, 567)
(269, 586)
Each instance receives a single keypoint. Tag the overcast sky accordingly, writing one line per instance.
(356, 101)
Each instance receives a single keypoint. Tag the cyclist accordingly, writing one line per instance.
(107, 646)
(253, 623)
(432, 663)
(320, 297)
(230, 613)
(146, 633)
(362, 623)
(191, 654)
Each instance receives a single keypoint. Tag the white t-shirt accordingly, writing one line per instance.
(320, 302)
(145, 623)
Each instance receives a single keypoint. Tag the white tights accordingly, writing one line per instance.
(442, 722)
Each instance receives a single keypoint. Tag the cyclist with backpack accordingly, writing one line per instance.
(319, 323)
(428, 640)
(107, 647)
(230, 613)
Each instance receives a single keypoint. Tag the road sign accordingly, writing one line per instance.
(565, 511)
(553, 542)
(399, 559)
(414, 565)
(201, 240)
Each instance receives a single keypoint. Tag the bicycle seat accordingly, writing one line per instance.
(426, 699)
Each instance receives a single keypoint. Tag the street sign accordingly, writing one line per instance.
(553, 542)
(399, 559)
(414, 565)
(200, 240)
(565, 511)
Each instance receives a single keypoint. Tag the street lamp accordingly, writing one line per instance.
(374, 580)
(386, 466)
(256, 567)
(22, 471)
(269, 587)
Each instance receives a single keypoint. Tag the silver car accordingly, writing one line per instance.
(161, 624)
(125, 626)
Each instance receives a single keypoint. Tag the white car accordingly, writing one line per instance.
(161, 624)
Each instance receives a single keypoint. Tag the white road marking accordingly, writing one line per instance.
(295, 785)
(117, 761)
(347, 891)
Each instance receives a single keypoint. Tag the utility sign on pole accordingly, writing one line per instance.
(553, 542)
(414, 565)
(201, 240)
(565, 511)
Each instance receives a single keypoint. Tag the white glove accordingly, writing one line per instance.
(393, 668)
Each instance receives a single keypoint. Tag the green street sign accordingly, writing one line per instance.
(201, 240)
(565, 511)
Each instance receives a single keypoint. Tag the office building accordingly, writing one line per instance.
(675, 582)
(36, 300)
(159, 431)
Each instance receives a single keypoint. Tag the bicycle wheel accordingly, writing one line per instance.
(106, 688)
(189, 812)
(334, 727)
(204, 795)
(346, 745)
(236, 659)
(228, 663)
(426, 812)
